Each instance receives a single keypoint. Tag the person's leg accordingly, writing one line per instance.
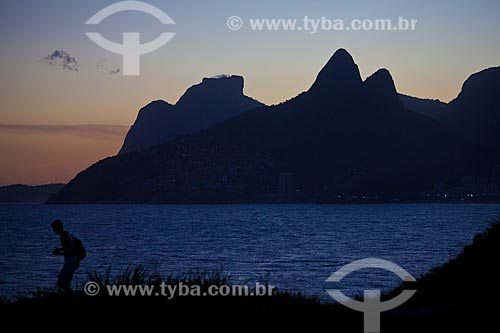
(66, 275)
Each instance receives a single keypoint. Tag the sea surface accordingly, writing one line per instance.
(293, 247)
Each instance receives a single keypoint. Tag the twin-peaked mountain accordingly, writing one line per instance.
(342, 137)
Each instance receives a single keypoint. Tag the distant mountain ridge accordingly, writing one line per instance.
(28, 194)
(476, 110)
(341, 138)
(475, 113)
(201, 106)
(432, 108)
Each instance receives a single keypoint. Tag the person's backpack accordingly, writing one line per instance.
(78, 248)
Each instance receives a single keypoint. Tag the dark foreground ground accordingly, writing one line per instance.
(459, 296)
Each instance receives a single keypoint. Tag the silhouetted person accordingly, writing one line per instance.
(67, 249)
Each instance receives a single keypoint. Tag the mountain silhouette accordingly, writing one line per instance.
(342, 138)
(201, 106)
(28, 194)
(476, 111)
(432, 108)
(339, 80)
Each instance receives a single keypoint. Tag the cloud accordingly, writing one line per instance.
(107, 67)
(62, 60)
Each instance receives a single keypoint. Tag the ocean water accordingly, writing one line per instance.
(293, 247)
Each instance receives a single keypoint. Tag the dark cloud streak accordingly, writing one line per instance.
(83, 130)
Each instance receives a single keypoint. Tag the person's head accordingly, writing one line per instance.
(57, 226)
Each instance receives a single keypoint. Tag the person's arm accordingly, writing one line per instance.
(65, 246)
(58, 251)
